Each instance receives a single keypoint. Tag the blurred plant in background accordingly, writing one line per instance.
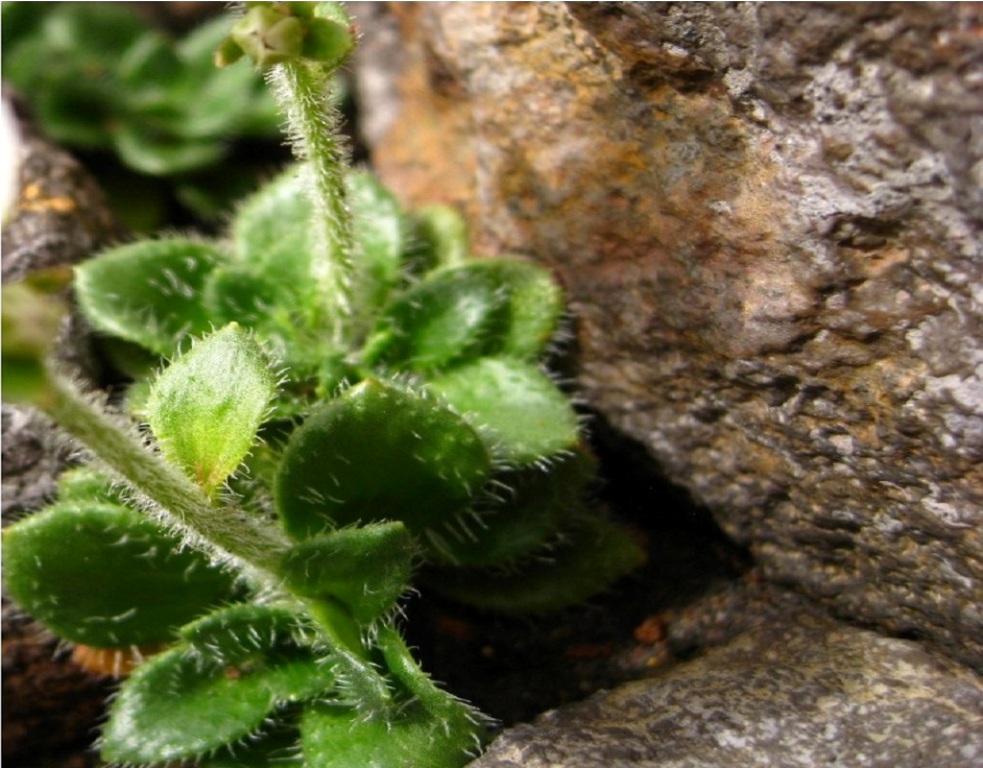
(148, 112)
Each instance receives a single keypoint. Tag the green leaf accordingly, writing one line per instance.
(104, 32)
(145, 70)
(279, 748)
(64, 67)
(86, 483)
(178, 707)
(590, 559)
(252, 636)
(483, 307)
(452, 315)
(334, 736)
(438, 237)
(275, 262)
(527, 417)
(157, 153)
(534, 504)
(234, 633)
(103, 575)
(270, 234)
(100, 76)
(379, 452)
(217, 102)
(377, 223)
(148, 292)
(242, 294)
(206, 407)
(238, 293)
(418, 684)
(535, 305)
(366, 568)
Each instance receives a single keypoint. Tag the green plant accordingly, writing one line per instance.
(100, 78)
(371, 409)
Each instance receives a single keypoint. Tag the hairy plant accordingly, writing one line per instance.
(327, 404)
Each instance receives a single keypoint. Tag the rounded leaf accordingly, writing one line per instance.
(334, 736)
(528, 418)
(270, 229)
(535, 305)
(148, 292)
(484, 307)
(141, 147)
(377, 224)
(103, 575)
(366, 568)
(178, 707)
(278, 748)
(538, 502)
(86, 483)
(589, 559)
(438, 238)
(234, 633)
(452, 315)
(379, 452)
(240, 294)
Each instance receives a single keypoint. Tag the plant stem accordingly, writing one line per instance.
(164, 485)
(303, 92)
(259, 548)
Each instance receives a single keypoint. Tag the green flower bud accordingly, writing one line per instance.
(268, 37)
(274, 33)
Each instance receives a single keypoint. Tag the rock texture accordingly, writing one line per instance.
(768, 219)
(801, 693)
(58, 217)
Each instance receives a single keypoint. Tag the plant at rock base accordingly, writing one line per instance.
(348, 403)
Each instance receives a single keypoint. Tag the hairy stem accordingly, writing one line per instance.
(259, 548)
(164, 485)
(303, 92)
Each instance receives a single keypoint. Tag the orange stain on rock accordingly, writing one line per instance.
(33, 200)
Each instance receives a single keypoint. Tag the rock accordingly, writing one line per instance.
(58, 217)
(767, 217)
(800, 692)
(51, 704)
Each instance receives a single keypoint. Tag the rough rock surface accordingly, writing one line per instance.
(768, 219)
(805, 692)
(59, 215)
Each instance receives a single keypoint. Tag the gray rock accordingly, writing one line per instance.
(767, 216)
(59, 217)
(802, 692)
